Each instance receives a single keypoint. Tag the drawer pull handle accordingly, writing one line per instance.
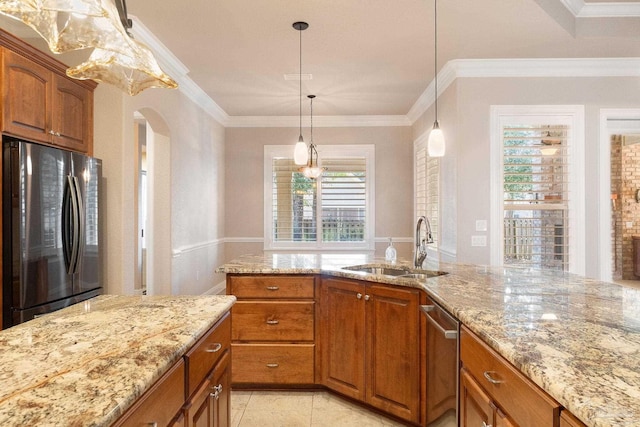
(487, 375)
(272, 322)
(273, 288)
(486, 425)
(272, 365)
(216, 348)
(152, 424)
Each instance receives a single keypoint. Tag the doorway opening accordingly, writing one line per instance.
(620, 195)
(153, 205)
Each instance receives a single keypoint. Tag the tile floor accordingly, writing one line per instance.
(298, 409)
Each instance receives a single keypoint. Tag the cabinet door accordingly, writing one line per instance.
(26, 97)
(476, 409)
(393, 349)
(211, 405)
(72, 115)
(221, 397)
(342, 339)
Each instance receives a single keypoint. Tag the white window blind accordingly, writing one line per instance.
(334, 211)
(536, 195)
(344, 200)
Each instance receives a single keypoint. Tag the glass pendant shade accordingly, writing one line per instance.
(132, 72)
(436, 143)
(300, 154)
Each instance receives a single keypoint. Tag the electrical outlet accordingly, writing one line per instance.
(478, 240)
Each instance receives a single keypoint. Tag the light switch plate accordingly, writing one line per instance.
(481, 225)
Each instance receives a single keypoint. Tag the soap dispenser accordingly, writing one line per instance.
(390, 254)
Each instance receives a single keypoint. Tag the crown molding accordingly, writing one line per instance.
(452, 70)
(178, 71)
(549, 67)
(580, 9)
(318, 121)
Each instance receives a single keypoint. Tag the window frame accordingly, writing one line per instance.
(366, 151)
(573, 117)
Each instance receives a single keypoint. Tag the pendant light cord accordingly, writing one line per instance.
(300, 83)
(435, 66)
(311, 120)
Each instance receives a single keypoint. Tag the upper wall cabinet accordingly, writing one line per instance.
(40, 103)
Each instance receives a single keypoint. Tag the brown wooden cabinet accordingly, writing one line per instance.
(210, 406)
(512, 398)
(370, 344)
(477, 408)
(273, 333)
(195, 392)
(40, 103)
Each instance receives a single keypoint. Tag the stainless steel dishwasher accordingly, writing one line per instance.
(443, 366)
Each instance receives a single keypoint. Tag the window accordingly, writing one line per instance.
(333, 212)
(427, 187)
(536, 196)
(537, 162)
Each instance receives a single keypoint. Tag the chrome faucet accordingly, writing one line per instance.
(421, 242)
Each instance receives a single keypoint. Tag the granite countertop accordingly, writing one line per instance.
(86, 364)
(577, 338)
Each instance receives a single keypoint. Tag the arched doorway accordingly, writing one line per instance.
(153, 204)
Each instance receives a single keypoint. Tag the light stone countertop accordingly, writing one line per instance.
(577, 338)
(86, 364)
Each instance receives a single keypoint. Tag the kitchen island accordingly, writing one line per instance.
(578, 339)
(88, 363)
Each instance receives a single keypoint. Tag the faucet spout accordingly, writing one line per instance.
(421, 242)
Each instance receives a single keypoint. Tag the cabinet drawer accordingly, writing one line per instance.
(161, 403)
(206, 352)
(525, 403)
(271, 286)
(273, 321)
(272, 363)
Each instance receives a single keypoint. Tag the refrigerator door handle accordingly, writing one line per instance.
(79, 225)
(67, 224)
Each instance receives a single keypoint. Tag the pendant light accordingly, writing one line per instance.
(436, 143)
(312, 169)
(300, 155)
(68, 25)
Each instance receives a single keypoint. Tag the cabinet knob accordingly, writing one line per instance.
(486, 425)
(216, 391)
(272, 322)
(359, 295)
(216, 348)
(367, 297)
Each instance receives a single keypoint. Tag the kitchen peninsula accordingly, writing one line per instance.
(88, 364)
(577, 339)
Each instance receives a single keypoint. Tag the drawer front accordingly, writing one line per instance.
(271, 286)
(161, 403)
(273, 321)
(525, 403)
(201, 358)
(272, 363)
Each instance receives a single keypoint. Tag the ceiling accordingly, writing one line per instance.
(367, 57)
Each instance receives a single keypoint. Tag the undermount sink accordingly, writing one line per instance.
(403, 273)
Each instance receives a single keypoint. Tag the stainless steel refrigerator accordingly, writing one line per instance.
(50, 235)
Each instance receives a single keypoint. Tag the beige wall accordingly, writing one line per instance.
(244, 201)
(197, 186)
(472, 98)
